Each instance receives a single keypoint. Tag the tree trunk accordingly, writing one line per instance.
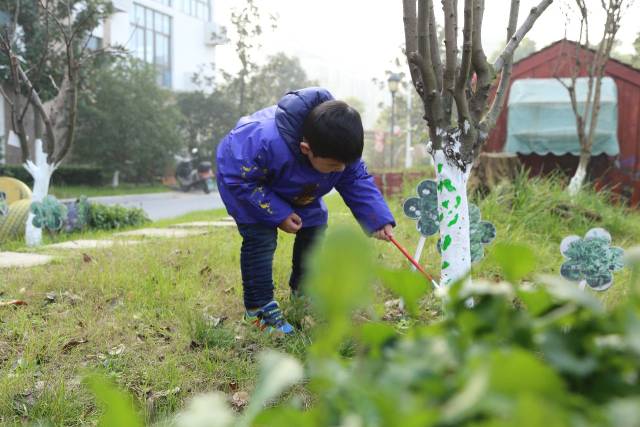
(577, 181)
(41, 172)
(453, 210)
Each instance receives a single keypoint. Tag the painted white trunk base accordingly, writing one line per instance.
(575, 185)
(41, 172)
(453, 209)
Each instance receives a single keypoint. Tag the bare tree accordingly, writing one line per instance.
(456, 139)
(66, 26)
(587, 111)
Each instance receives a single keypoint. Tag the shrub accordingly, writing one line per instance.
(64, 175)
(543, 355)
(103, 217)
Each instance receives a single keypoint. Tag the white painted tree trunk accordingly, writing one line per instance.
(41, 172)
(576, 183)
(453, 209)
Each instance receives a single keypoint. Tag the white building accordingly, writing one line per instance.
(177, 36)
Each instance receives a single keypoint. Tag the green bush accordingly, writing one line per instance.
(103, 217)
(65, 175)
(542, 354)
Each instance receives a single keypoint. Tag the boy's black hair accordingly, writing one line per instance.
(333, 130)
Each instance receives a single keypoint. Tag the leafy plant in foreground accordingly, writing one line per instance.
(537, 355)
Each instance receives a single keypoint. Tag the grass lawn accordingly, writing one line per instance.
(74, 191)
(163, 318)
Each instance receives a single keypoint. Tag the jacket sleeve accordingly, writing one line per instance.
(245, 167)
(364, 199)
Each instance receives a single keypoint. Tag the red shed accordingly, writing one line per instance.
(558, 60)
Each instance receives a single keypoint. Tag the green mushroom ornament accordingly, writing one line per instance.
(591, 261)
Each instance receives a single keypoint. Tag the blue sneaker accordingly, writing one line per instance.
(269, 318)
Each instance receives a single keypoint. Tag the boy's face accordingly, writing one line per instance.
(321, 164)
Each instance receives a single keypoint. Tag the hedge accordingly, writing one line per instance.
(65, 175)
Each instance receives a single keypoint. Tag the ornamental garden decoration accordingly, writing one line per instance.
(591, 261)
(424, 210)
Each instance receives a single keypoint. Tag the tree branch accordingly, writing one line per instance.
(484, 72)
(515, 40)
(411, 42)
(451, 56)
(36, 102)
(435, 46)
(505, 76)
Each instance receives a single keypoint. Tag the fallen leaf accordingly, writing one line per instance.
(117, 350)
(86, 257)
(308, 322)
(50, 297)
(73, 343)
(206, 270)
(73, 298)
(152, 396)
(240, 399)
(13, 302)
(393, 310)
(229, 289)
(214, 322)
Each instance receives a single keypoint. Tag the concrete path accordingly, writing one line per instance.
(17, 259)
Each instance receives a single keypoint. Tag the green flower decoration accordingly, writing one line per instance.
(49, 214)
(591, 260)
(4, 206)
(424, 209)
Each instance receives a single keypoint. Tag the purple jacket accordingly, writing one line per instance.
(263, 177)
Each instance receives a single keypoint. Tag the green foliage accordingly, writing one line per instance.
(129, 124)
(591, 259)
(103, 217)
(206, 119)
(117, 407)
(556, 358)
(40, 43)
(49, 214)
(63, 175)
(516, 260)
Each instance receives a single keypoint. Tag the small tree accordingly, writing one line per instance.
(456, 139)
(587, 111)
(247, 21)
(206, 119)
(45, 48)
(127, 123)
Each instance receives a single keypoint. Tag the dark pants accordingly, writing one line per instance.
(256, 260)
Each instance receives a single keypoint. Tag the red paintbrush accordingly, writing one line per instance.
(413, 261)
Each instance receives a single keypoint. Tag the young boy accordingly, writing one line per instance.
(273, 169)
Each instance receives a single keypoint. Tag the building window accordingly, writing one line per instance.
(164, 2)
(197, 8)
(93, 42)
(151, 40)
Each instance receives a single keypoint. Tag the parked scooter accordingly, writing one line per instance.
(191, 172)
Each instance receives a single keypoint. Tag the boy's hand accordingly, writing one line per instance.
(292, 224)
(384, 233)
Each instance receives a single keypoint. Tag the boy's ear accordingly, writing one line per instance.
(305, 148)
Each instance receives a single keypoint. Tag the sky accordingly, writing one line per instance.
(346, 43)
